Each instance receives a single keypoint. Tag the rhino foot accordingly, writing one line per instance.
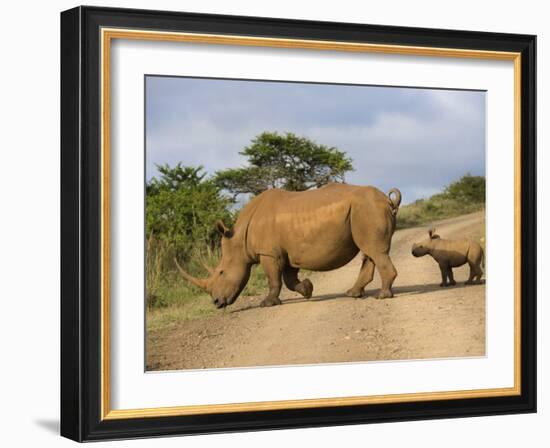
(385, 294)
(357, 293)
(270, 301)
(305, 287)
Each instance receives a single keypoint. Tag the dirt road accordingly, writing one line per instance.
(421, 321)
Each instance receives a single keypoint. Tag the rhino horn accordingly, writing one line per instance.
(201, 283)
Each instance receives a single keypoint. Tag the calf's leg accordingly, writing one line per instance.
(444, 269)
(366, 274)
(478, 275)
(272, 271)
(450, 276)
(292, 282)
(475, 273)
(471, 276)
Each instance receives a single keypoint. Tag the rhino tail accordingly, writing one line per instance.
(394, 196)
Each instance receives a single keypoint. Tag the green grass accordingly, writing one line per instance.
(174, 300)
(186, 308)
(425, 211)
(463, 196)
(257, 284)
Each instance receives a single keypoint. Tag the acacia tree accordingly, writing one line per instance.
(284, 161)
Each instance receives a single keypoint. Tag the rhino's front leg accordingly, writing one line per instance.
(446, 275)
(451, 276)
(292, 282)
(273, 273)
(443, 269)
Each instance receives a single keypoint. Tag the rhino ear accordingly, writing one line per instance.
(432, 234)
(223, 229)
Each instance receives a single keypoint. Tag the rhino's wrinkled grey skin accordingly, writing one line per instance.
(318, 230)
(450, 254)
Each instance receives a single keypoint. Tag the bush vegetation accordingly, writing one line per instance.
(463, 196)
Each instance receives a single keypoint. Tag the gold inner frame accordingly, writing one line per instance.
(107, 35)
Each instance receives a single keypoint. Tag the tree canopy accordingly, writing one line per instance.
(172, 179)
(469, 189)
(284, 161)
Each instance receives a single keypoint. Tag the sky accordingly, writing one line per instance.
(418, 140)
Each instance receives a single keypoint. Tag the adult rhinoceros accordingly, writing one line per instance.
(319, 230)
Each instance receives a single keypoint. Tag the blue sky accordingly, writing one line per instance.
(418, 140)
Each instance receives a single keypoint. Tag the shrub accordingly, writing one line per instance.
(182, 209)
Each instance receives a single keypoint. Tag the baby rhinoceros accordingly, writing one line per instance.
(450, 254)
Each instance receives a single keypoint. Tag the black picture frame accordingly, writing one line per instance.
(81, 224)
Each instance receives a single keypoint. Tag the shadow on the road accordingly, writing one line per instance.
(399, 291)
(243, 309)
(423, 289)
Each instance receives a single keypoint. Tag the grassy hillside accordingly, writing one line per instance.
(464, 196)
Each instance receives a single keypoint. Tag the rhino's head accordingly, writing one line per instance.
(425, 247)
(229, 278)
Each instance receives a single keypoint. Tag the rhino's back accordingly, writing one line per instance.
(455, 252)
(320, 200)
(311, 228)
(462, 250)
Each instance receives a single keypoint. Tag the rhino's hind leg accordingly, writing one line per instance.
(478, 275)
(272, 271)
(292, 282)
(372, 233)
(475, 259)
(470, 280)
(387, 274)
(475, 274)
(366, 275)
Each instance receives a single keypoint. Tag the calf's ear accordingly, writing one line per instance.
(223, 229)
(432, 234)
